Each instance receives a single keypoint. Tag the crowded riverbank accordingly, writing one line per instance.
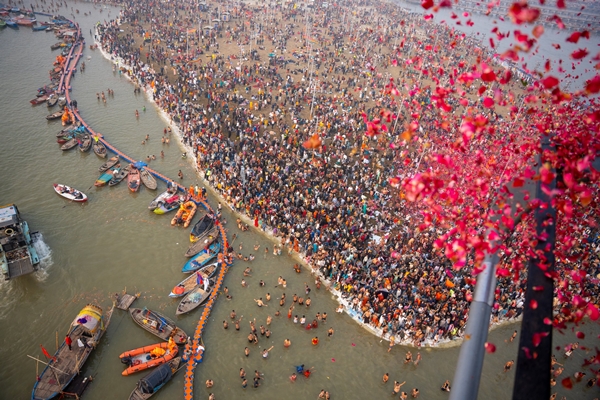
(249, 94)
(114, 241)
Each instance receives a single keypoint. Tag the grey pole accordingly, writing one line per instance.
(470, 360)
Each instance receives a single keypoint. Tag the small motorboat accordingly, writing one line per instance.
(69, 145)
(70, 193)
(133, 179)
(52, 101)
(108, 164)
(202, 241)
(148, 356)
(39, 100)
(161, 198)
(195, 298)
(99, 147)
(185, 214)
(170, 204)
(120, 175)
(85, 142)
(148, 180)
(158, 324)
(202, 258)
(105, 178)
(193, 280)
(55, 115)
(64, 139)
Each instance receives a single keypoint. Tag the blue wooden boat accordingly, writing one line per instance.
(202, 258)
(105, 178)
(39, 28)
(12, 24)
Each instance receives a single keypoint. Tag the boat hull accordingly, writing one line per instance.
(141, 358)
(67, 192)
(158, 325)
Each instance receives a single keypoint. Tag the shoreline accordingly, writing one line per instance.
(268, 232)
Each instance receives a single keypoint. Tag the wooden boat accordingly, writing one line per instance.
(155, 380)
(39, 28)
(39, 100)
(120, 175)
(158, 325)
(55, 115)
(195, 298)
(133, 179)
(99, 147)
(202, 258)
(70, 193)
(184, 214)
(104, 178)
(2, 23)
(108, 164)
(186, 285)
(11, 24)
(148, 356)
(85, 142)
(148, 180)
(69, 145)
(202, 241)
(52, 101)
(64, 139)
(201, 227)
(87, 329)
(25, 21)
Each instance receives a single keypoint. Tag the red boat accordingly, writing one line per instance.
(25, 21)
(39, 100)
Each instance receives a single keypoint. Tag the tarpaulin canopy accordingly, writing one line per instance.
(89, 317)
(140, 164)
(155, 379)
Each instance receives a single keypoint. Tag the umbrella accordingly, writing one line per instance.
(140, 164)
(384, 292)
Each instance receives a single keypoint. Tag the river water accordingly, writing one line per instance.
(113, 242)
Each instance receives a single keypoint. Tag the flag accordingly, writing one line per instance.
(191, 31)
(48, 356)
(198, 278)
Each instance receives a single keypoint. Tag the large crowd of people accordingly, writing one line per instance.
(247, 94)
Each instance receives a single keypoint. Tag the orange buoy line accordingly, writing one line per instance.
(194, 351)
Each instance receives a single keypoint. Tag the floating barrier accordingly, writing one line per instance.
(194, 351)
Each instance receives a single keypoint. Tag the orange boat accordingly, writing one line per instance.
(184, 214)
(148, 356)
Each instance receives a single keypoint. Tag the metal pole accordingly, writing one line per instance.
(532, 378)
(470, 360)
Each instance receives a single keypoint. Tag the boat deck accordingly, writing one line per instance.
(67, 364)
(20, 267)
(77, 386)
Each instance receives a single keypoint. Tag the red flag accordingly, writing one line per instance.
(48, 356)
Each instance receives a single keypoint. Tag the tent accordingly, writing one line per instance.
(155, 379)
